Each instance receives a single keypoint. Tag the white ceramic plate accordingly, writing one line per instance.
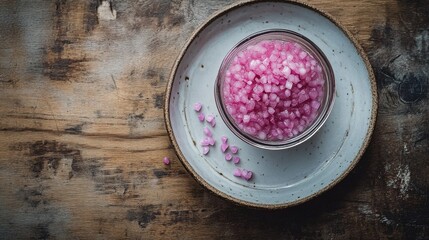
(281, 178)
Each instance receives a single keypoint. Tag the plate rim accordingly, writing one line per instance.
(233, 199)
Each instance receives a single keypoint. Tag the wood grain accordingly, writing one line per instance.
(82, 134)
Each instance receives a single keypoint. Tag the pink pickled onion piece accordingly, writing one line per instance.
(224, 139)
(224, 147)
(197, 106)
(236, 159)
(211, 141)
(207, 132)
(213, 123)
(243, 173)
(206, 150)
(248, 175)
(234, 149)
(166, 161)
(209, 118)
(205, 141)
(237, 172)
(315, 104)
(201, 117)
(228, 157)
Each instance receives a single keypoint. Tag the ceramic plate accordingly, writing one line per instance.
(281, 178)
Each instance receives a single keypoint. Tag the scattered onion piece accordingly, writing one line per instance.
(206, 150)
(237, 172)
(205, 142)
(234, 149)
(166, 161)
(209, 118)
(224, 147)
(207, 132)
(243, 173)
(247, 176)
(197, 106)
(211, 141)
(201, 117)
(213, 123)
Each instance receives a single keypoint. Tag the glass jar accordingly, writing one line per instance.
(295, 137)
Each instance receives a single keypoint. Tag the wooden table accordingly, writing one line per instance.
(82, 135)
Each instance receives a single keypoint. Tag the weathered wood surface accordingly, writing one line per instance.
(82, 133)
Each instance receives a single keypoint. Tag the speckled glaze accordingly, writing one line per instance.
(281, 178)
